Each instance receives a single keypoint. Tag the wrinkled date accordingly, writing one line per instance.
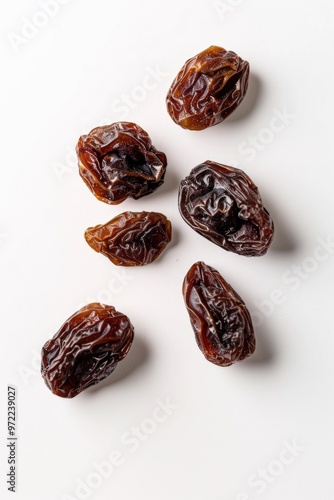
(86, 349)
(131, 238)
(208, 88)
(222, 204)
(221, 322)
(118, 161)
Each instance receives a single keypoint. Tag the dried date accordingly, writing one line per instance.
(118, 161)
(208, 88)
(220, 320)
(222, 204)
(131, 238)
(86, 349)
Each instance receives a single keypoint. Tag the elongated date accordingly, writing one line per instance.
(131, 238)
(86, 349)
(221, 321)
(222, 204)
(208, 88)
(118, 161)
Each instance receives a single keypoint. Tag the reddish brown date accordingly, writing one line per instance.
(221, 322)
(222, 204)
(118, 161)
(131, 238)
(208, 88)
(86, 349)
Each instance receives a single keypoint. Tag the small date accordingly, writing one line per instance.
(220, 320)
(222, 204)
(118, 161)
(208, 88)
(86, 349)
(131, 238)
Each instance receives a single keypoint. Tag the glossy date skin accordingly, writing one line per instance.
(220, 320)
(222, 204)
(208, 88)
(131, 238)
(86, 349)
(118, 161)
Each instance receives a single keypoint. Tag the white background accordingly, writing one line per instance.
(226, 424)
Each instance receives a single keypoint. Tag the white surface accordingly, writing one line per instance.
(229, 423)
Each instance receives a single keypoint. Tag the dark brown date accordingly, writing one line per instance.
(86, 349)
(208, 88)
(131, 238)
(222, 204)
(118, 161)
(221, 321)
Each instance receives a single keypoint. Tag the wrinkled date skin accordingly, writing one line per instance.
(222, 204)
(131, 238)
(208, 88)
(221, 322)
(118, 161)
(86, 349)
